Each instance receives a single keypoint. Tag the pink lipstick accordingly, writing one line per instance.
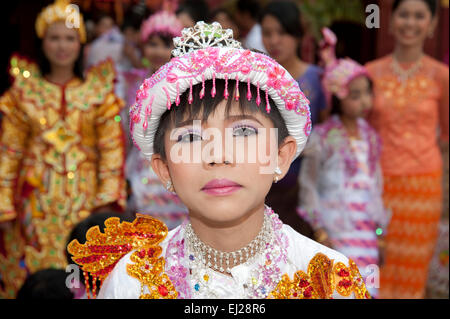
(221, 187)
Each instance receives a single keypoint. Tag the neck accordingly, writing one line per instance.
(350, 124)
(231, 236)
(61, 74)
(407, 54)
(295, 67)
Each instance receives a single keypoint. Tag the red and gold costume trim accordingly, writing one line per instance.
(321, 280)
(101, 252)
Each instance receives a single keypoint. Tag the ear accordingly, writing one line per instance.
(286, 153)
(160, 168)
(434, 23)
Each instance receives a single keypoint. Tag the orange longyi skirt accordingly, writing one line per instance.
(416, 204)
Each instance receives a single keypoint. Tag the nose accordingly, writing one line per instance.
(219, 156)
(216, 151)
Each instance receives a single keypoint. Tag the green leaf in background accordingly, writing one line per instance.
(323, 13)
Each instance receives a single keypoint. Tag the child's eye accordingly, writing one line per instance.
(189, 137)
(244, 130)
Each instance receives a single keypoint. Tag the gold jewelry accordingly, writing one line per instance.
(223, 261)
(402, 74)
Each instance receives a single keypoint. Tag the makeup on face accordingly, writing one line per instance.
(61, 45)
(220, 187)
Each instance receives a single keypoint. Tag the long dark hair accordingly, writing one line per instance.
(288, 15)
(431, 4)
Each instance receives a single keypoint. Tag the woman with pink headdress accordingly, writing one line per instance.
(340, 189)
(148, 195)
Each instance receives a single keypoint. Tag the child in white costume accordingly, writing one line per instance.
(341, 180)
(232, 246)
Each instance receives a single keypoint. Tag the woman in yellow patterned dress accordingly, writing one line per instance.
(61, 150)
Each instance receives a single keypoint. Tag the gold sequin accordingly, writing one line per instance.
(321, 281)
(102, 251)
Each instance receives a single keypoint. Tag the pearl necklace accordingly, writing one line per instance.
(224, 261)
(402, 74)
(265, 271)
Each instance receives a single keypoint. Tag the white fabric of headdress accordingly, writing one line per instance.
(207, 52)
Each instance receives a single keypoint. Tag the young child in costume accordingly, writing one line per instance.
(148, 195)
(232, 246)
(341, 183)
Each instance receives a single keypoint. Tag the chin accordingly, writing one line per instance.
(410, 42)
(65, 63)
(223, 212)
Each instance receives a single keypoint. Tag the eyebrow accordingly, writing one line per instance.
(228, 118)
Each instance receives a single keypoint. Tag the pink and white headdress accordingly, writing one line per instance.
(338, 72)
(162, 22)
(207, 52)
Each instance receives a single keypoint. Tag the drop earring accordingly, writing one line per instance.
(277, 171)
(169, 186)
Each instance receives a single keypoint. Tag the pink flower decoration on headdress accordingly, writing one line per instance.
(329, 38)
(206, 57)
(338, 72)
(276, 77)
(162, 22)
(327, 47)
(337, 76)
(207, 52)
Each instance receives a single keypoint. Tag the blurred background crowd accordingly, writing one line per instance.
(136, 38)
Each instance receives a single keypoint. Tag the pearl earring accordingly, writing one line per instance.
(277, 171)
(169, 186)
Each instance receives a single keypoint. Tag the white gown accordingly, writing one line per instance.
(298, 252)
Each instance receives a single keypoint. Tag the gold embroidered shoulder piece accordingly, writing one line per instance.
(96, 88)
(21, 68)
(149, 270)
(102, 251)
(322, 279)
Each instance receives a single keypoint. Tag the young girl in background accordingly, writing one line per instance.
(233, 245)
(148, 195)
(340, 178)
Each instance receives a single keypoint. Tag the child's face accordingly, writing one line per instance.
(227, 183)
(358, 101)
(157, 52)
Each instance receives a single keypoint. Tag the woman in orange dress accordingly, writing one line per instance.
(410, 109)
